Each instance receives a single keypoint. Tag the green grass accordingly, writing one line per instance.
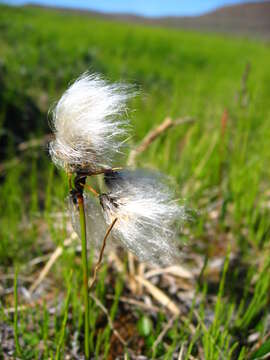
(222, 175)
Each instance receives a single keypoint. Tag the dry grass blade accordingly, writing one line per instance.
(140, 272)
(164, 331)
(23, 146)
(181, 352)
(175, 270)
(159, 295)
(9, 164)
(133, 285)
(112, 257)
(153, 135)
(38, 142)
(105, 311)
(30, 305)
(54, 256)
(138, 303)
(11, 310)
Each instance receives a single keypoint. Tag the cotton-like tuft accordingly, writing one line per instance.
(89, 123)
(148, 215)
(95, 223)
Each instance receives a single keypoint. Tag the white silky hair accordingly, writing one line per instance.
(89, 123)
(95, 223)
(148, 216)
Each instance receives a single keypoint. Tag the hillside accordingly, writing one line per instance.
(252, 18)
(247, 19)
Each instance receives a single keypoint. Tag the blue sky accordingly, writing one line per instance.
(141, 7)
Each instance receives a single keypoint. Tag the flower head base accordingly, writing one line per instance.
(148, 217)
(89, 124)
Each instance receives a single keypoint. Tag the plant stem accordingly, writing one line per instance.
(85, 275)
(64, 322)
(98, 264)
(16, 336)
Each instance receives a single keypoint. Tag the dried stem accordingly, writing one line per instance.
(110, 322)
(98, 264)
(164, 331)
(53, 257)
(98, 172)
(153, 134)
(91, 189)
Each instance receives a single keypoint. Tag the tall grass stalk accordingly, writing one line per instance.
(16, 334)
(85, 275)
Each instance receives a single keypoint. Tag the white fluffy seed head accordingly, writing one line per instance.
(89, 123)
(148, 215)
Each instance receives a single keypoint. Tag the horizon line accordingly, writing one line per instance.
(68, 7)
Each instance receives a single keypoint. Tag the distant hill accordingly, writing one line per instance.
(250, 18)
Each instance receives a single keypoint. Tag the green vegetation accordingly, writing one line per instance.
(221, 163)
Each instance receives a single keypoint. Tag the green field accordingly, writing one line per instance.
(221, 163)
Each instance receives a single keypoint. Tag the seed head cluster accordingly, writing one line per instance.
(148, 215)
(89, 123)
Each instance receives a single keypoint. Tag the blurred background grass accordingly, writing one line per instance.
(221, 163)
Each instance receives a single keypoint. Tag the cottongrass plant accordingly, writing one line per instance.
(89, 125)
(138, 209)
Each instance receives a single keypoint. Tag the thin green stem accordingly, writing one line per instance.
(64, 322)
(16, 335)
(85, 275)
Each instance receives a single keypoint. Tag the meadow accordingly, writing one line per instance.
(221, 165)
